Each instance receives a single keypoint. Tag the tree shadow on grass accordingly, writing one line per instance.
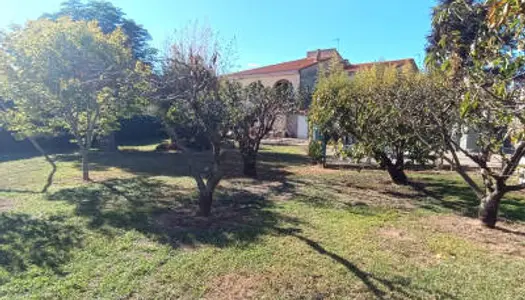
(271, 165)
(325, 195)
(27, 241)
(166, 213)
(382, 288)
(437, 194)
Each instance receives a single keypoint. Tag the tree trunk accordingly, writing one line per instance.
(397, 174)
(250, 164)
(205, 201)
(396, 171)
(488, 209)
(85, 165)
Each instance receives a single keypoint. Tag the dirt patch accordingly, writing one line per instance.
(405, 246)
(312, 170)
(350, 194)
(6, 204)
(507, 238)
(274, 190)
(394, 233)
(234, 286)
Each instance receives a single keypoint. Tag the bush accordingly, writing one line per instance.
(315, 151)
(51, 144)
(193, 138)
(139, 128)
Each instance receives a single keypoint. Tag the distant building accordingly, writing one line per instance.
(302, 74)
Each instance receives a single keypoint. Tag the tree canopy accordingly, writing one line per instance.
(477, 46)
(369, 109)
(189, 94)
(109, 18)
(69, 74)
(254, 110)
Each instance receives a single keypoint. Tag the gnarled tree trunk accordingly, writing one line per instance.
(488, 208)
(207, 189)
(397, 174)
(395, 170)
(205, 201)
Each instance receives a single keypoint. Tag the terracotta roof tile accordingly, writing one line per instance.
(299, 64)
(294, 65)
(396, 63)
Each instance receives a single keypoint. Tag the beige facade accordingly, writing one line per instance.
(302, 75)
(270, 79)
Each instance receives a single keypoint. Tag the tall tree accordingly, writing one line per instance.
(254, 110)
(109, 18)
(189, 94)
(483, 93)
(68, 74)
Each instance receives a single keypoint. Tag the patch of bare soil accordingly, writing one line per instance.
(6, 204)
(234, 286)
(186, 219)
(312, 170)
(406, 246)
(373, 193)
(507, 238)
(272, 190)
(375, 198)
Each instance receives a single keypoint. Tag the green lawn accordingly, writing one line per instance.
(301, 232)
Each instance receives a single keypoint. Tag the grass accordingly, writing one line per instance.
(300, 232)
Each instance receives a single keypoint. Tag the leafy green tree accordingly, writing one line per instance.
(68, 74)
(254, 110)
(448, 44)
(369, 108)
(480, 93)
(189, 94)
(109, 18)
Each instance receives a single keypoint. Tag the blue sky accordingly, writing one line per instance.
(272, 31)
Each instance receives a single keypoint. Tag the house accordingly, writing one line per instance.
(301, 74)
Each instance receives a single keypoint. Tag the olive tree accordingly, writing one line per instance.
(254, 110)
(68, 74)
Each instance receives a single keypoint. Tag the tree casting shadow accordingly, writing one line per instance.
(166, 213)
(27, 241)
(457, 196)
(270, 165)
(397, 288)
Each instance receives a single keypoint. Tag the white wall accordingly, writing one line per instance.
(302, 127)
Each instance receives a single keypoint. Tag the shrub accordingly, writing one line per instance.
(315, 151)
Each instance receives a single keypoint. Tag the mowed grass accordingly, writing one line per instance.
(300, 232)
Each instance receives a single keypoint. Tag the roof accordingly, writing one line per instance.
(294, 65)
(314, 57)
(396, 63)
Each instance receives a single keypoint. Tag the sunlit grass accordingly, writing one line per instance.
(301, 232)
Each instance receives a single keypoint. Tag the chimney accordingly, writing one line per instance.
(318, 55)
